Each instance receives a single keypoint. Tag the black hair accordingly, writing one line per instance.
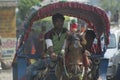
(57, 16)
(90, 33)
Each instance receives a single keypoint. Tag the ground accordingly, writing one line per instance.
(6, 74)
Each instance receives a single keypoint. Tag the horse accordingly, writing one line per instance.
(71, 66)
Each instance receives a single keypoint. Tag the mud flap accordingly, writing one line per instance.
(103, 68)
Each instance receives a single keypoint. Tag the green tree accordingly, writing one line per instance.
(24, 7)
(111, 5)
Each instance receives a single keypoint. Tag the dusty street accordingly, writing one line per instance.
(6, 74)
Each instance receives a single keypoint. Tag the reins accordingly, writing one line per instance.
(70, 75)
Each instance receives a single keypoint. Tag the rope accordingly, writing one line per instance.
(63, 55)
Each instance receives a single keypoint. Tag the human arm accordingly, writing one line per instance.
(50, 49)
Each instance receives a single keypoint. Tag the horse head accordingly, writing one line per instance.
(75, 41)
(72, 64)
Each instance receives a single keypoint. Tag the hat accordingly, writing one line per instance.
(73, 21)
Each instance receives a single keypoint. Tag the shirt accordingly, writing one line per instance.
(56, 40)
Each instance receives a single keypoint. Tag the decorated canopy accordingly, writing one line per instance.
(94, 16)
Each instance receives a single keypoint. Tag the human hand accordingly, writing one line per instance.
(43, 55)
(53, 56)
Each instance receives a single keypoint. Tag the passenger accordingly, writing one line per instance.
(90, 36)
(54, 39)
(73, 26)
(30, 43)
(30, 46)
(39, 44)
(83, 29)
(41, 41)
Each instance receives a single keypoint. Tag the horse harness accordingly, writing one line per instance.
(77, 43)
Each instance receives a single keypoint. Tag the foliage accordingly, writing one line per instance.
(24, 7)
(111, 5)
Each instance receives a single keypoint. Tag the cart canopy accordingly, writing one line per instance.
(94, 16)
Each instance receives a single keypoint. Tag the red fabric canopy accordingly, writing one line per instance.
(94, 16)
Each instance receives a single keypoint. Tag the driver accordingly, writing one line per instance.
(55, 41)
(56, 36)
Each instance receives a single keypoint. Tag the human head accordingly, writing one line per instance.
(58, 20)
(57, 16)
(90, 33)
(73, 25)
(90, 36)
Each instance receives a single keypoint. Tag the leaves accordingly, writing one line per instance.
(111, 5)
(24, 7)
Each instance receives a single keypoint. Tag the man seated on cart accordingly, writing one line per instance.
(56, 36)
(54, 41)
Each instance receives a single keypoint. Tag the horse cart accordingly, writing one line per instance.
(96, 19)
